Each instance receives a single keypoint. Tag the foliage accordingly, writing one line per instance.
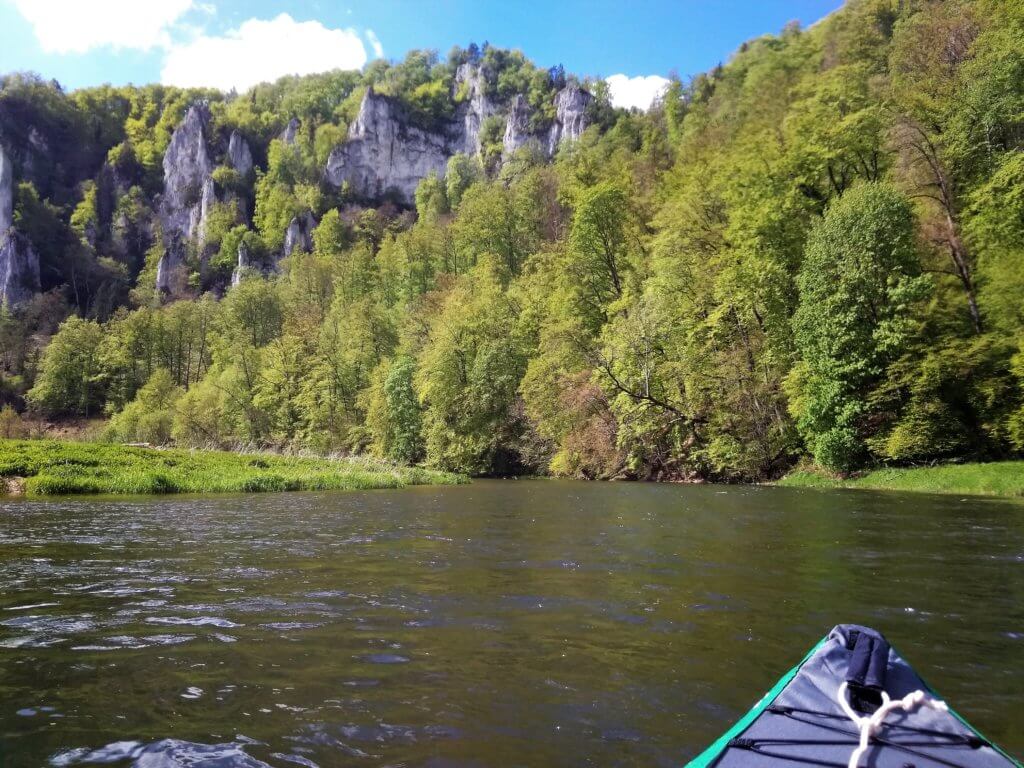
(147, 418)
(69, 377)
(63, 467)
(999, 478)
(858, 283)
(815, 248)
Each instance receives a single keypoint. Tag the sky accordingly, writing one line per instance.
(226, 44)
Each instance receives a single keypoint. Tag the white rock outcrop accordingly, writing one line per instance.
(517, 126)
(187, 166)
(239, 154)
(570, 116)
(201, 213)
(473, 110)
(19, 263)
(384, 154)
(299, 235)
(245, 266)
(6, 192)
(19, 268)
(290, 131)
(170, 268)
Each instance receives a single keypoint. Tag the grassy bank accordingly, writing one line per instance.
(1000, 478)
(47, 467)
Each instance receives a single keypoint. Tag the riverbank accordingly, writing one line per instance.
(998, 478)
(49, 467)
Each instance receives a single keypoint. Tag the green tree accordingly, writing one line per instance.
(858, 284)
(393, 415)
(69, 381)
(468, 375)
(149, 417)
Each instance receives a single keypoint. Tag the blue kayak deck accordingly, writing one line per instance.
(800, 721)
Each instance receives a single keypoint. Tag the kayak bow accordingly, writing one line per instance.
(852, 701)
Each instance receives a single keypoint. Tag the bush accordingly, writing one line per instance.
(149, 417)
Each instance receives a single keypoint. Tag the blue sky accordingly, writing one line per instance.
(225, 43)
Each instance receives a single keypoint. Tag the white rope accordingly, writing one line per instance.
(870, 724)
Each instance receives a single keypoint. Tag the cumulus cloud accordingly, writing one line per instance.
(378, 49)
(261, 50)
(77, 26)
(639, 92)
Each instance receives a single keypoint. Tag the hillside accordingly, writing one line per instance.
(814, 249)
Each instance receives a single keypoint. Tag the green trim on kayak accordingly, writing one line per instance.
(712, 753)
(709, 755)
(966, 724)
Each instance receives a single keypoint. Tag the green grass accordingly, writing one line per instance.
(999, 478)
(52, 467)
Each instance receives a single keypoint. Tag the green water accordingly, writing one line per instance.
(498, 624)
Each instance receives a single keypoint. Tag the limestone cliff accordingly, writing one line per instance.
(6, 192)
(299, 235)
(19, 268)
(476, 106)
(517, 126)
(570, 116)
(187, 166)
(19, 264)
(239, 154)
(384, 154)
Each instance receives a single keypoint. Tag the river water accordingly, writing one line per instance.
(505, 623)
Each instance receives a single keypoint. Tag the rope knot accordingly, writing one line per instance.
(869, 725)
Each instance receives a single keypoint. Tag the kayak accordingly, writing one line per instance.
(853, 701)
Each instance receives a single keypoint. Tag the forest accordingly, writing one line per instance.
(811, 255)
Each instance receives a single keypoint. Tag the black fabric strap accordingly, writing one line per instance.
(868, 662)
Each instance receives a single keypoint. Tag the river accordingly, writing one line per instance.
(505, 623)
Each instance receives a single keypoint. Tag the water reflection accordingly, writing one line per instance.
(503, 623)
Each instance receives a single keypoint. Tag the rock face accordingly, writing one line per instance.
(19, 268)
(245, 265)
(170, 268)
(384, 154)
(200, 213)
(187, 167)
(6, 192)
(289, 132)
(239, 154)
(570, 116)
(19, 264)
(299, 235)
(472, 112)
(517, 127)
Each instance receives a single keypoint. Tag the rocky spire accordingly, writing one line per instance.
(187, 166)
(239, 154)
(19, 264)
(299, 235)
(517, 127)
(6, 192)
(384, 154)
(290, 131)
(476, 107)
(245, 264)
(19, 268)
(570, 116)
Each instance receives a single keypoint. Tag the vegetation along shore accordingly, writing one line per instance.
(46, 467)
(812, 252)
(999, 478)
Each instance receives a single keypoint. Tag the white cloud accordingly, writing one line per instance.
(378, 49)
(639, 92)
(261, 50)
(77, 26)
